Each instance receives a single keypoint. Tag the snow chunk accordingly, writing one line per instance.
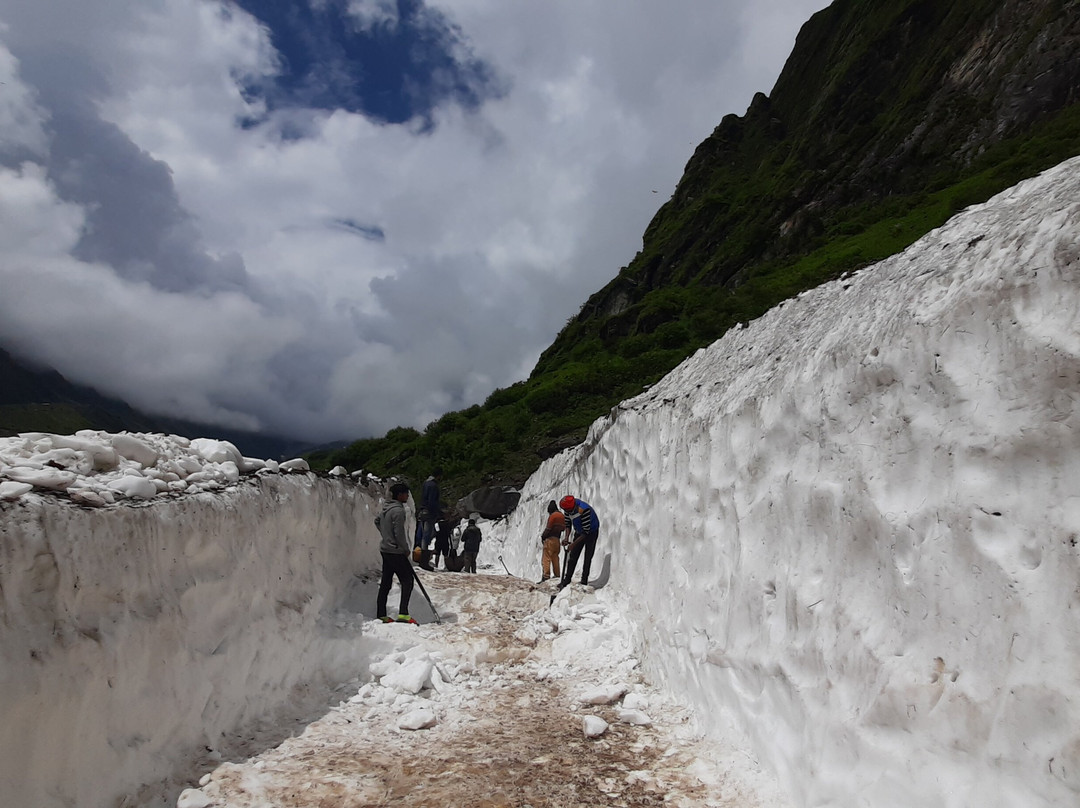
(131, 448)
(380, 667)
(409, 677)
(296, 464)
(53, 479)
(135, 487)
(636, 717)
(13, 490)
(593, 726)
(608, 694)
(193, 798)
(104, 456)
(216, 451)
(87, 496)
(417, 719)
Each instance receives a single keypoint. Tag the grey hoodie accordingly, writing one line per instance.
(391, 524)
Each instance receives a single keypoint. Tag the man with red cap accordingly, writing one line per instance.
(586, 527)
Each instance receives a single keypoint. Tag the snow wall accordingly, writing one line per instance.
(854, 525)
(131, 636)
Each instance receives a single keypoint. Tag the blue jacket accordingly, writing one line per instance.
(429, 499)
(587, 521)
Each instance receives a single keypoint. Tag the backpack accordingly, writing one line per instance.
(455, 562)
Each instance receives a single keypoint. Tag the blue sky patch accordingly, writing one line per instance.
(390, 69)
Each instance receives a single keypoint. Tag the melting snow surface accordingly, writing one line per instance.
(853, 526)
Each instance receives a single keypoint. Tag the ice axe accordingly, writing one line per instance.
(508, 570)
(427, 597)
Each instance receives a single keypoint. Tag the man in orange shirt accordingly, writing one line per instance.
(553, 531)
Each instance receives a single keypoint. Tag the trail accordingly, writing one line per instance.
(502, 681)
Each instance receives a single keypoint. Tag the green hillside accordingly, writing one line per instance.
(889, 117)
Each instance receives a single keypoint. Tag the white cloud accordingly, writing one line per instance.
(496, 224)
(371, 13)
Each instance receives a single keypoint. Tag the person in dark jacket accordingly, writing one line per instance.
(471, 539)
(442, 543)
(586, 527)
(395, 550)
(430, 507)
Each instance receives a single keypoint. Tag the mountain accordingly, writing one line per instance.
(35, 399)
(889, 117)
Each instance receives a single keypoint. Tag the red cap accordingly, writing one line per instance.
(567, 503)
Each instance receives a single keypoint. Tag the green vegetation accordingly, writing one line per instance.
(60, 419)
(863, 149)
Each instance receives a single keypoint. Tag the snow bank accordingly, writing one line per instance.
(134, 634)
(854, 525)
(96, 468)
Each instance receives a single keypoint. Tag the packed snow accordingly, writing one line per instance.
(839, 552)
(508, 702)
(95, 468)
(137, 638)
(853, 526)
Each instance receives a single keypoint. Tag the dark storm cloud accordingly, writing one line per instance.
(393, 70)
(134, 220)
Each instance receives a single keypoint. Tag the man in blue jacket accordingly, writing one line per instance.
(586, 527)
(430, 508)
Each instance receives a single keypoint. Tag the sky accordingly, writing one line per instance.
(327, 218)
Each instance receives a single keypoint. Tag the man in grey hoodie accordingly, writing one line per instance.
(395, 549)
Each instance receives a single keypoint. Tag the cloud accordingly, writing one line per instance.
(368, 231)
(299, 261)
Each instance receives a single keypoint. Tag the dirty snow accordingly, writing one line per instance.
(486, 710)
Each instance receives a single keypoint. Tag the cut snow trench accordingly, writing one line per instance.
(507, 703)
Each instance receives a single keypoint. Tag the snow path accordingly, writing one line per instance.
(505, 679)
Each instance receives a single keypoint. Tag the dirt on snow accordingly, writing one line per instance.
(508, 720)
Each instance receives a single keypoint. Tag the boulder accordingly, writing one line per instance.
(491, 502)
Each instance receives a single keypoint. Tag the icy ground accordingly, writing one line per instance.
(492, 708)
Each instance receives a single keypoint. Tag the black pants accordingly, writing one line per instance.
(442, 548)
(470, 561)
(586, 542)
(399, 565)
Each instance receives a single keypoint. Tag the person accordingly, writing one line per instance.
(553, 531)
(442, 543)
(454, 560)
(395, 551)
(471, 538)
(430, 508)
(586, 527)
